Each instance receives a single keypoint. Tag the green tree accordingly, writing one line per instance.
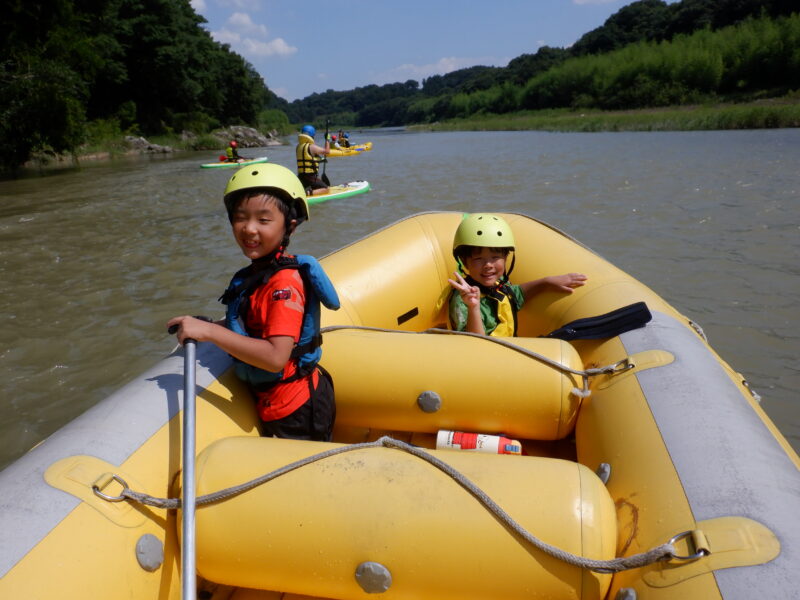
(41, 108)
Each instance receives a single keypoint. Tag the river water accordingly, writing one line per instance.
(94, 261)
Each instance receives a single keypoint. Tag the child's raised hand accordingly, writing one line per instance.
(470, 294)
(567, 282)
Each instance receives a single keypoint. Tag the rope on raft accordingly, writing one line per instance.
(585, 374)
(659, 553)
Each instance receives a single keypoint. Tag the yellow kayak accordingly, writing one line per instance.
(637, 466)
(352, 150)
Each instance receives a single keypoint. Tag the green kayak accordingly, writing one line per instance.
(336, 192)
(226, 165)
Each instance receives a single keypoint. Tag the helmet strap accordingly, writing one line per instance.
(507, 274)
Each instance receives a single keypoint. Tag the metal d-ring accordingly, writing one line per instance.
(120, 481)
(622, 365)
(699, 554)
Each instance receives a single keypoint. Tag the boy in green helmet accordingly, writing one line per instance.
(482, 300)
(272, 323)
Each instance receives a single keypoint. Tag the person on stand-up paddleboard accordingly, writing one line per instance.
(232, 152)
(307, 153)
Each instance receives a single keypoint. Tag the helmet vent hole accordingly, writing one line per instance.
(480, 232)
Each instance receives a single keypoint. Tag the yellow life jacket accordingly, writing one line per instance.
(307, 163)
(506, 318)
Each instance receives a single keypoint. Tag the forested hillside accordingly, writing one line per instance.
(649, 53)
(139, 66)
(72, 68)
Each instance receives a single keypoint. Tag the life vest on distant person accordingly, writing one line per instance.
(318, 288)
(231, 151)
(307, 163)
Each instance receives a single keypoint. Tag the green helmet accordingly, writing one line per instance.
(273, 179)
(483, 230)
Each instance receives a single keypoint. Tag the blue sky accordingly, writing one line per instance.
(304, 46)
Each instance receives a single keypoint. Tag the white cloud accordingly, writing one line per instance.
(243, 23)
(249, 38)
(240, 4)
(440, 67)
(226, 36)
(199, 6)
(276, 47)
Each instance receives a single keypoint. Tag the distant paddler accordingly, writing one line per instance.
(308, 160)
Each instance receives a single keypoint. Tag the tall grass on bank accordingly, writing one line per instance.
(760, 54)
(756, 59)
(746, 116)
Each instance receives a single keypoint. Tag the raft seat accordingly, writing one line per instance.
(426, 382)
(382, 520)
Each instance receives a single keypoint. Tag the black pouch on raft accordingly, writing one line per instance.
(608, 325)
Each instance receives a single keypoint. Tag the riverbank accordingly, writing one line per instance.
(762, 114)
(115, 145)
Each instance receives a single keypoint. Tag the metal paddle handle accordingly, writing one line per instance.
(188, 483)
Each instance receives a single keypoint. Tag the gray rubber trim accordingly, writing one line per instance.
(727, 459)
(111, 430)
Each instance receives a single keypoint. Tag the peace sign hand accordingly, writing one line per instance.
(470, 294)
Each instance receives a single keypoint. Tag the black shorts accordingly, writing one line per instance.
(311, 181)
(313, 420)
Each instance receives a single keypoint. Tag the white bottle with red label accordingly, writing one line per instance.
(477, 442)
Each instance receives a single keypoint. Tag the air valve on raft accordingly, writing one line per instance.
(477, 442)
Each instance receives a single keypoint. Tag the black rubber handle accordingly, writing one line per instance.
(173, 328)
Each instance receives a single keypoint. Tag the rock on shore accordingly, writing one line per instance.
(142, 146)
(246, 137)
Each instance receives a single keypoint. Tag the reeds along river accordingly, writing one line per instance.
(94, 261)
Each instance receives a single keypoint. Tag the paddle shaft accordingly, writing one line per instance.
(325, 179)
(188, 483)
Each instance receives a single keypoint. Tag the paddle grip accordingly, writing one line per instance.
(174, 328)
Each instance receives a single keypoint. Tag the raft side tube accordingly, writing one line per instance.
(729, 458)
(397, 287)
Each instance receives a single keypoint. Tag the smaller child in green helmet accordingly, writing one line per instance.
(271, 328)
(483, 301)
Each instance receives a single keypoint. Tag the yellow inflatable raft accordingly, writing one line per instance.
(648, 470)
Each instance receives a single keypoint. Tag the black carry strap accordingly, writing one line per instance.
(608, 325)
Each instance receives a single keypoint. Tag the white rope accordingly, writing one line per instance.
(585, 374)
(659, 553)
